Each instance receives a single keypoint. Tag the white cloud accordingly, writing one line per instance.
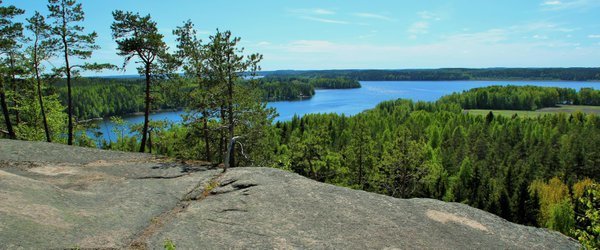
(323, 20)
(420, 28)
(374, 16)
(594, 36)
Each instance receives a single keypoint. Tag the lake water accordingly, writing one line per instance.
(353, 101)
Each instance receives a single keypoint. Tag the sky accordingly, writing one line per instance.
(375, 34)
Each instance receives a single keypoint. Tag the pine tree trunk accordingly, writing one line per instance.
(69, 102)
(230, 118)
(14, 85)
(68, 72)
(222, 140)
(206, 137)
(146, 110)
(41, 101)
(11, 132)
(39, 90)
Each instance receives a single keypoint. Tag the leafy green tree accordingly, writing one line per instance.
(562, 217)
(588, 231)
(66, 16)
(10, 32)
(137, 36)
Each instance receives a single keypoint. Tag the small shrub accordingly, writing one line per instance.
(169, 245)
(209, 187)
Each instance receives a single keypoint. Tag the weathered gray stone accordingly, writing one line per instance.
(55, 196)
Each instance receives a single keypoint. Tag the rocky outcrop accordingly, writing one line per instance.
(56, 196)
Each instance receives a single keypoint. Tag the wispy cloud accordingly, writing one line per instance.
(421, 27)
(428, 15)
(374, 16)
(594, 36)
(263, 43)
(323, 12)
(418, 28)
(556, 5)
(317, 15)
(323, 20)
(316, 11)
(551, 3)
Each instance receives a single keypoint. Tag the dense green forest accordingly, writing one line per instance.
(522, 98)
(450, 74)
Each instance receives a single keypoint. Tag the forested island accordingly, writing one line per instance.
(542, 171)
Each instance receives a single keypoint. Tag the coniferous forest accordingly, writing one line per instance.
(541, 171)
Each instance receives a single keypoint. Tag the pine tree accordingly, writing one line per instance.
(40, 51)
(10, 32)
(66, 16)
(225, 64)
(191, 53)
(137, 36)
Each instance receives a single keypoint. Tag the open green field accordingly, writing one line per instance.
(522, 113)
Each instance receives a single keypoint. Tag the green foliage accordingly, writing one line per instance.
(562, 217)
(521, 97)
(588, 230)
(169, 245)
(10, 33)
(31, 126)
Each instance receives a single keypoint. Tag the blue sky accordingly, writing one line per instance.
(376, 34)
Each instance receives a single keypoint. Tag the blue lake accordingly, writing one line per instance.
(353, 101)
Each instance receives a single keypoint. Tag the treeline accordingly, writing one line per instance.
(454, 74)
(522, 97)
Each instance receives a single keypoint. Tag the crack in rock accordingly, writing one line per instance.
(159, 177)
(235, 186)
(233, 210)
